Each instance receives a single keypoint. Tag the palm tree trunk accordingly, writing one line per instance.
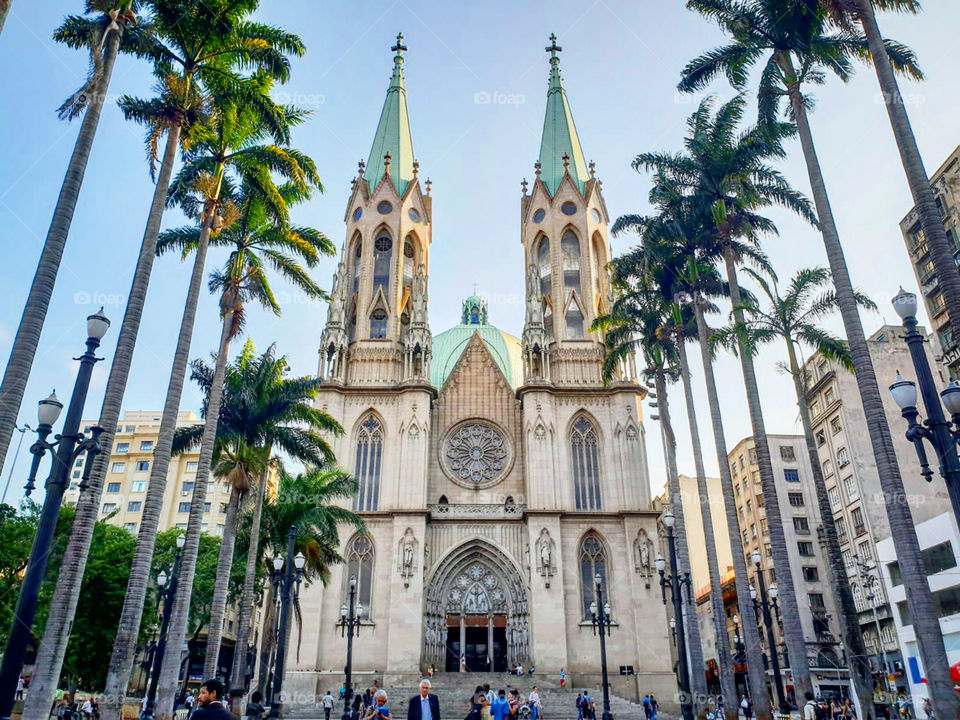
(942, 249)
(698, 678)
(239, 672)
(180, 612)
(267, 640)
(4, 9)
(903, 532)
(41, 289)
(221, 588)
(789, 602)
(724, 660)
(63, 605)
(751, 636)
(848, 616)
(125, 644)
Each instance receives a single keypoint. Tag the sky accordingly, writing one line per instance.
(476, 85)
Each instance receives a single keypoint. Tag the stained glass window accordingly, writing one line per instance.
(586, 465)
(368, 463)
(360, 558)
(593, 562)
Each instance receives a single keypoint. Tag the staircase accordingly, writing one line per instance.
(454, 691)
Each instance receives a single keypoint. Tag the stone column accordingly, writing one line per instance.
(463, 641)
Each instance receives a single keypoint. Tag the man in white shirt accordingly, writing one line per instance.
(810, 708)
(327, 703)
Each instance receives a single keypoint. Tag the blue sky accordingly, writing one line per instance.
(621, 62)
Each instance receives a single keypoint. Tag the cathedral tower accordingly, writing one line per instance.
(564, 234)
(377, 329)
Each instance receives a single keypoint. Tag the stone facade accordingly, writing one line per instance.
(497, 476)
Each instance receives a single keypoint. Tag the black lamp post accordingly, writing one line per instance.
(764, 605)
(276, 576)
(600, 614)
(292, 576)
(64, 449)
(168, 594)
(941, 434)
(677, 583)
(349, 625)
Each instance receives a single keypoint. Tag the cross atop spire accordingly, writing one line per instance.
(560, 151)
(553, 48)
(399, 48)
(393, 132)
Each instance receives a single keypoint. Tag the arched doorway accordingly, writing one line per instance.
(476, 607)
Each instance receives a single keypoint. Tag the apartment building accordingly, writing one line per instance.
(946, 186)
(853, 484)
(808, 565)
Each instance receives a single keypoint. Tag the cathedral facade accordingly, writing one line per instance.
(498, 477)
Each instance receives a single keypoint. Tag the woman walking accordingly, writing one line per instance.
(533, 701)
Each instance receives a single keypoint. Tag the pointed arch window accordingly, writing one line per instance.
(382, 255)
(574, 322)
(570, 250)
(360, 558)
(356, 266)
(352, 322)
(586, 465)
(543, 265)
(409, 253)
(593, 562)
(368, 461)
(378, 324)
(599, 261)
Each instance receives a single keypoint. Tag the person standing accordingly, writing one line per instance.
(327, 703)
(378, 710)
(424, 706)
(255, 706)
(477, 702)
(810, 707)
(463, 663)
(490, 696)
(534, 702)
(563, 679)
(210, 701)
(20, 688)
(747, 707)
(647, 707)
(500, 708)
(655, 706)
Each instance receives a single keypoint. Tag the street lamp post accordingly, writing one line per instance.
(168, 592)
(935, 429)
(869, 583)
(276, 575)
(764, 606)
(350, 617)
(600, 617)
(677, 583)
(64, 449)
(292, 576)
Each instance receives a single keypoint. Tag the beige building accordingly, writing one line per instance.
(693, 523)
(809, 569)
(497, 475)
(946, 186)
(852, 481)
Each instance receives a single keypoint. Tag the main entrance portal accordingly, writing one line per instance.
(476, 610)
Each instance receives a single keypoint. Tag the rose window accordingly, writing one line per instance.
(476, 454)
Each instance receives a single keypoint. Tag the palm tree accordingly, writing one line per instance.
(4, 9)
(942, 248)
(190, 44)
(261, 408)
(793, 318)
(639, 317)
(106, 28)
(799, 47)
(238, 207)
(724, 174)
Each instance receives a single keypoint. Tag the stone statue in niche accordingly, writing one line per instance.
(407, 552)
(546, 548)
(534, 299)
(642, 555)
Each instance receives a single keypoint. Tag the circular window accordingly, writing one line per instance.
(538, 216)
(384, 208)
(596, 215)
(383, 244)
(476, 454)
(568, 208)
(357, 214)
(379, 314)
(414, 215)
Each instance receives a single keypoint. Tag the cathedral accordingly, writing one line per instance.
(498, 476)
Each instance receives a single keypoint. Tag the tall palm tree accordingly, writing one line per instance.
(799, 47)
(205, 188)
(192, 44)
(4, 10)
(106, 28)
(640, 318)
(942, 248)
(261, 409)
(792, 318)
(724, 171)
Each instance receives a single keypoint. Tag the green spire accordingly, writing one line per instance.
(393, 131)
(559, 133)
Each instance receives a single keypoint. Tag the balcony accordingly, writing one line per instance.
(920, 249)
(478, 511)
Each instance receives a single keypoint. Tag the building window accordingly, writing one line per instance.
(787, 453)
(586, 465)
(113, 487)
(865, 551)
(841, 526)
(835, 425)
(382, 254)
(805, 548)
(360, 558)
(143, 465)
(801, 526)
(109, 507)
(768, 550)
(134, 506)
(811, 574)
(574, 321)
(834, 494)
(130, 527)
(850, 488)
(378, 324)
(752, 454)
(828, 396)
(761, 502)
(184, 507)
(795, 499)
(820, 438)
(856, 517)
(791, 475)
(367, 465)
(827, 468)
(814, 409)
(816, 600)
(749, 506)
(146, 446)
(188, 486)
(746, 539)
(753, 529)
(593, 562)
(223, 508)
(945, 603)
(192, 466)
(763, 526)
(733, 469)
(206, 507)
(122, 448)
(843, 459)
(139, 486)
(742, 517)
(570, 255)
